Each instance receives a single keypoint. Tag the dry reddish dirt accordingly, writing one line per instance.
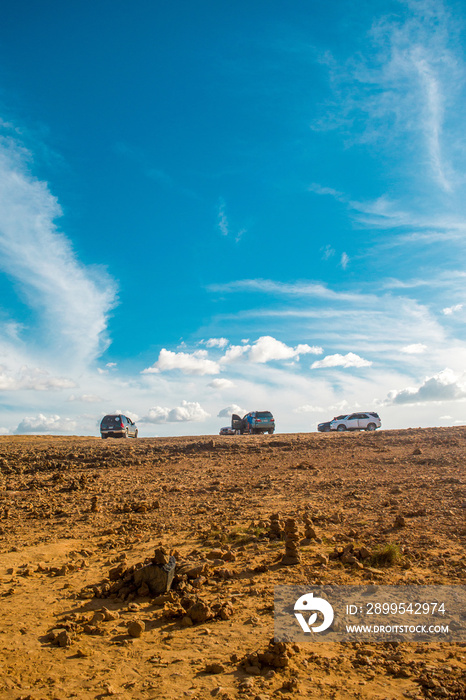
(72, 509)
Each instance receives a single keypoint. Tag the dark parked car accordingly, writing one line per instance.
(117, 425)
(254, 423)
(325, 427)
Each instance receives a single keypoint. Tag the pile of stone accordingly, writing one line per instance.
(193, 611)
(292, 537)
(275, 527)
(349, 554)
(309, 530)
(150, 578)
(276, 655)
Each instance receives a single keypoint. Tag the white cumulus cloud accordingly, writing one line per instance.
(189, 411)
(449, 310)
(267, 348)
(45, 424)
(414, 349)
(444, 386)
(337, 360)
(216, 343)
(233, 353)
(188, 363)
(221, 384)
(229, 410)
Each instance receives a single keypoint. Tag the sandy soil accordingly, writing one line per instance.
(74, 509)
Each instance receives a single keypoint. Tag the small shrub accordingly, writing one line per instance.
(386, 555)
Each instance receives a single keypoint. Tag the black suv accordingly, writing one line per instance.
(117, 425)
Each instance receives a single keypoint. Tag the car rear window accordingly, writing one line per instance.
(263, 414)
(110, 420)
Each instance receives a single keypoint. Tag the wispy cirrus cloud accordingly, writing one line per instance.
(224, 225)
(401, 88)
(32, 379)
(296, 289)
(72, 301)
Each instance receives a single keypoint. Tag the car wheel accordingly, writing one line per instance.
(371, 426)
(126, 434)
(326, 430)
(270, 432)
(341, 428)
(104, 437)
(136, 434)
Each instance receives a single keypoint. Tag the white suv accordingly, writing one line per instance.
(356, 421)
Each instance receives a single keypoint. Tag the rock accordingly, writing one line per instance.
(97, 617)
(117, 572)
(400, 521)
(228, 556)
(53, 634)
(191, 569)
(200, 612)
(63, 639)
(322, 559)
(157, 577)
(215, 554)
(136, 628)
(214, 668)
(160, 556)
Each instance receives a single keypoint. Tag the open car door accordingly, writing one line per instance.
(237, 423)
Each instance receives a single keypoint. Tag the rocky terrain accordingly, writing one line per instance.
(81, 519)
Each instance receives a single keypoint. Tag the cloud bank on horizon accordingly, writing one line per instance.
(297, 245)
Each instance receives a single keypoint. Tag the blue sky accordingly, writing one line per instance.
(207, 207)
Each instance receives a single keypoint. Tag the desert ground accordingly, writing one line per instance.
(79, 515)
